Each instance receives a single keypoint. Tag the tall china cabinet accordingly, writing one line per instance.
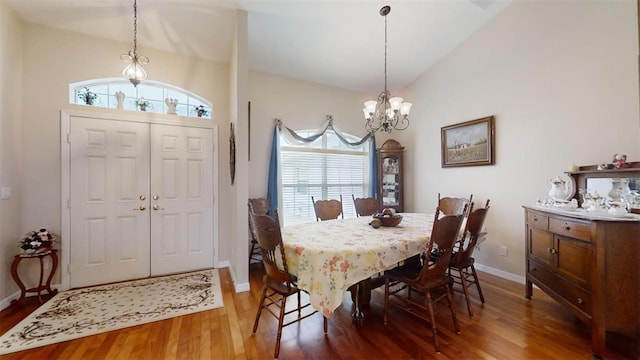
(589, 261)
(390, 175)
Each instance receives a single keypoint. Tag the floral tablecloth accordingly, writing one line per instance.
(330, 256)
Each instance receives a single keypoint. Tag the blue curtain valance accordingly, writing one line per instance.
(292, 135)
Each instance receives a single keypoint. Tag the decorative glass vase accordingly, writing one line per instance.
(620, 193)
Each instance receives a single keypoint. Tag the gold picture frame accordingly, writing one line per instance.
(470, 143)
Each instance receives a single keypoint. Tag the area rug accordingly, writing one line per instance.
(83, 312)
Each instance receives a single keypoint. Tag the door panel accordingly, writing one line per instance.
(109, 235)
(182, 200)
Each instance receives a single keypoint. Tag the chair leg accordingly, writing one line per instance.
(453, 312)
(264, 295)
(475, 277)
(386, 297)
(280, 321)
(434, 328)
(253, 247)
(465, 289)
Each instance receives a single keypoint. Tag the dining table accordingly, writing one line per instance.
(330, 257)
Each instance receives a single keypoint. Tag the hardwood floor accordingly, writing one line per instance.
(508, 326)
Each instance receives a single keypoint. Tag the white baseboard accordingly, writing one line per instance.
(4, 303)
(239, 287)
(242, 287)
(499, 273)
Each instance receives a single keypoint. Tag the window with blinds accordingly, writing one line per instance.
(324, 169)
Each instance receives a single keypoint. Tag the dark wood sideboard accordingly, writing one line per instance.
(588, 263)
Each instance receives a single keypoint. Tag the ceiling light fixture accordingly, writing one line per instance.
(134, 71)
(383, 113)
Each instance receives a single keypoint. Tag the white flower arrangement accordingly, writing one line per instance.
(37, 241)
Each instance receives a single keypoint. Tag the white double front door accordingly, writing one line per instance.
(141, 200)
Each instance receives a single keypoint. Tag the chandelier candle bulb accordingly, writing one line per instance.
(395, 103)
(405, 108)
(370, 108)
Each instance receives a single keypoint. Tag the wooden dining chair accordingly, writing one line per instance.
(365, 206)
(327, 209)
(451, 205)
(416, 287)
(260, 206)
(461, 268)
(278, 283)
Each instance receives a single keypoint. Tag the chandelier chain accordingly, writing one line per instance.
(135, 26)
(385, 53)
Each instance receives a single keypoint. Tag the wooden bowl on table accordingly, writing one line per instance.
(388, 220)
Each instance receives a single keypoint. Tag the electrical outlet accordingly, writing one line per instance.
(5, 192)
(503, 251)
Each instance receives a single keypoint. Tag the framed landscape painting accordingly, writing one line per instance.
(469, 143)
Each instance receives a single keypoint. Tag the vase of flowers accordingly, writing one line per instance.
(35, 242)
(143, 104)
(201, 111)
(87, 96)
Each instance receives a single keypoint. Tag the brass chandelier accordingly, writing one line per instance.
(387, 113)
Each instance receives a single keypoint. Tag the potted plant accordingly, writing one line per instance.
(143, 104)
(87, 96)
(201, 111)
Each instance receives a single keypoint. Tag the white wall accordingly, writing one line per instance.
(11, 146)
(238, 242)
(300, 105)
(561, 79)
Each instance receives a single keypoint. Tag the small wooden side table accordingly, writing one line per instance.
(41, 287)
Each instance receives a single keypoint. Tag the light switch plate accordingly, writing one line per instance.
(5, 192)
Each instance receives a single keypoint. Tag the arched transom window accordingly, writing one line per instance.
(150, 96)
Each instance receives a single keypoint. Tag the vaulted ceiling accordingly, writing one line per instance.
(337, 43)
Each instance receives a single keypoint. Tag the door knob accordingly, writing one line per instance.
(156, 197)
(141, 208)
(142, 197)
(157, 207)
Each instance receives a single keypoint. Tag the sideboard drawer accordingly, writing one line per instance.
(537, 220)
(571, 293)
(569, 228)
